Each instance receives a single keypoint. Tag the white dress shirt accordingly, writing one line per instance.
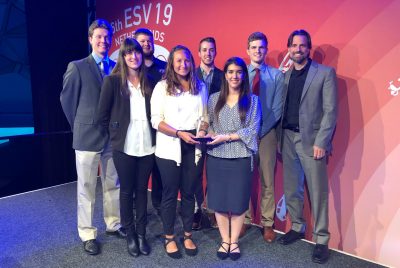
(138, 136)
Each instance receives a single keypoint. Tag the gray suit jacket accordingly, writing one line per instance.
(318, 107)
(79, 99)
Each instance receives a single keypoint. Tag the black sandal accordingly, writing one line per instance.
(189, 251)
(221, 254)
(234, 255)
(176, 254)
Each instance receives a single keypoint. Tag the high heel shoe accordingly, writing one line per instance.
(189, 251)
(176, 254)
(221, 254)
(234, 255)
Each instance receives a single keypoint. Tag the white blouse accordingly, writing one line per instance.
(138, 136)
(182, 112)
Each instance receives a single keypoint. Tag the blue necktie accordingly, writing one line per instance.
(104, 68)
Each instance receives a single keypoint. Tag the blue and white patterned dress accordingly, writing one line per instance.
(229, 165)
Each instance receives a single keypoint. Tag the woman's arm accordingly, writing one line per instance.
(248, 134)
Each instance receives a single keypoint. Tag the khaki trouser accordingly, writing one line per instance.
(267, 161)
(87, 164)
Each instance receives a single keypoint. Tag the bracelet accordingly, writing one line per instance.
(176, 133)
(230, 138)
(205, 131)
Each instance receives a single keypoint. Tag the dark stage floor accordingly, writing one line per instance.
(38, 229)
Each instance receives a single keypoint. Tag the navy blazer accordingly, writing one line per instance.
(113, 112)
(79, 98)
(216, 82)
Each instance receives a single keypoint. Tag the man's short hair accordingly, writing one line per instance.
(143, 31)
(208, 39)
(299, 32)
(257, 36)
(100, 23)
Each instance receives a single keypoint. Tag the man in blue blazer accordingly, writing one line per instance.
(307, 125)
(79, 99)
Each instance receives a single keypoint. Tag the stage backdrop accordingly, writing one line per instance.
(360, 40)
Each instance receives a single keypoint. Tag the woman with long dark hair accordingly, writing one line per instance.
(124, 108)
(234, 116)
(178, 112)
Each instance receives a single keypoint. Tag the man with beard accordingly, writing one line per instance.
(79, 99)
(307, 125)
(212, 77)
(156, 69)
(267, 83)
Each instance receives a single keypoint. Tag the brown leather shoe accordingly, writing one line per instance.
(245, 227)
(269, 234)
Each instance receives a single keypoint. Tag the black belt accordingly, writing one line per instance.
(294, 129)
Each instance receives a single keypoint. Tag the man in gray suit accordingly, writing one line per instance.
(79, 99)
(307, 125)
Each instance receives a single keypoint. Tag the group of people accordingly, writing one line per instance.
(142, 117)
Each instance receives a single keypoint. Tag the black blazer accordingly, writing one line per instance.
(113, 111)
(216, 82)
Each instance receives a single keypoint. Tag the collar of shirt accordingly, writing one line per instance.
(98, 59)
(303, 70)
(154, 63)
(262, 67)
(132, 87)
(204, 72)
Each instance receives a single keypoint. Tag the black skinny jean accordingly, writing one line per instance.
(179, 178)
(133, 173)
(156, 187)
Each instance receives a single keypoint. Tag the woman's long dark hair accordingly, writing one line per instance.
(244, 95)
(172, 78)
(128, 46)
